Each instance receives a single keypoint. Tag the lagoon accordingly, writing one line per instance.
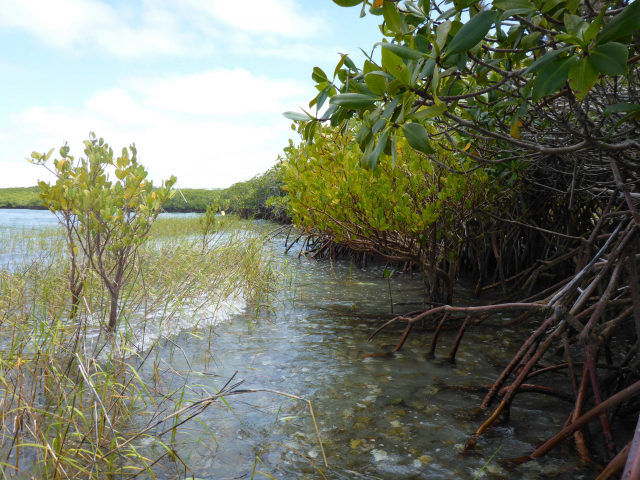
(385, 417)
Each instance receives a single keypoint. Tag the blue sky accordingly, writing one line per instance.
(198, 85)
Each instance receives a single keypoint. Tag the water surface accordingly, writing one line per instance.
(392, 417)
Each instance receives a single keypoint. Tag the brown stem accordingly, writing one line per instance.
(454, 349)
(437, 334)
(625, 191)
(633, 281)
(511, 391)
(113, 312)
(514, 362)
(579, 436)
(584, 335)
(595, 386)
(572, 372)
(632, 467)
(616, 464)
(404, 337)
(611, 402)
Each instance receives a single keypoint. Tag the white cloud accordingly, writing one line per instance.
(161, 27)
(276, 17)
(202, 154)
(117, 104)
(77, 24)
(201, 128)
(221, 92)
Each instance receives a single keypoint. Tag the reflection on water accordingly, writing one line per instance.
(379, 417)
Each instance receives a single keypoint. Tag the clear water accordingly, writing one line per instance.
(379, 417)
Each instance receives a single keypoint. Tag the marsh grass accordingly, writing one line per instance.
(76, 402)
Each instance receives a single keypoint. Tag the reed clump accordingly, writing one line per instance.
(77, 401)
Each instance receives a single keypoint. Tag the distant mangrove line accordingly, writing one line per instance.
(259, 197)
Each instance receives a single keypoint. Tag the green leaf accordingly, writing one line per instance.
(546, 59)
(392, 17)
(427, 69)
(551, 77)
(375, 83)
(404, 52)
(322, 97)
(517, 11)
(529, 39)
(452, 88)
(422, 44)
(449, 13)
(442, 31)
(472, 32)
(621, 108)
(340, 115)
(354, 101)
(417, 68)
(349, 63)
(610, 59)
(415, 10)
(382, 143)
(318, 75)
(418, 138)
(298, 117)
(394, 150)
(550, 5)
(364, 161)
(582, 76)
(592, 31)
(386, 115)
(575, 25)
(623, 24)
(394, 65)
(428, 112)
(570, 39)
(511, 4)
(348, 3)
(382, 73)
(363, 89)
(572, 5)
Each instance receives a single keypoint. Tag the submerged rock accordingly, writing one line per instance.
(379, 455)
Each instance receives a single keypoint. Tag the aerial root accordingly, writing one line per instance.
(582, 313)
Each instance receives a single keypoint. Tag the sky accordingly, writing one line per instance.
(198, 85)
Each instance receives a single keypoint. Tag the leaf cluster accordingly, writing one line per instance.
(397, 210)
(516, 77)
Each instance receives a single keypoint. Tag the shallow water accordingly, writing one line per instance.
(26, 218)
(384, 417)
(379, 417)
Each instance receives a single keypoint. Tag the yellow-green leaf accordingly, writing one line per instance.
(395, 66)
(582, 77)
(392, 17)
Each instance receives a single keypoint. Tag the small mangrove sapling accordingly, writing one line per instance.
(108, 220)
(208, 222)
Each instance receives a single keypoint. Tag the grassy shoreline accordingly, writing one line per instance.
(29, 198)
(88, 403)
